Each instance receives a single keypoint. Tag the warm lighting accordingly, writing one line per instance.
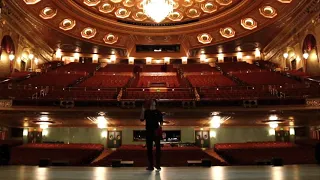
(31, 56)
(76, 56)
(239, 55)
(273, 117)
(45, 132)
(201, 129)
(101, 122)
(257, 53)
(36, 61)
(25, 132)
(291, 131)
(95, 57)
(167, 60)
(286, 55)
(44, 118)
(220, 57)
(11, 56)
(131, 60)
(113, 57)
(273, 125)
(272, 132)
(213, 134)
(306, 55)
(58, 53)
(104, 134)
(148, 60)
(44, 126)
(215, 122)
(157, 10)
(203, 57)
(298, 58)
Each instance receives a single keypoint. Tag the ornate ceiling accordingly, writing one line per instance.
(193, 24)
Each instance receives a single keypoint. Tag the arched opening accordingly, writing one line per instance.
(312, 62)
(7, 56)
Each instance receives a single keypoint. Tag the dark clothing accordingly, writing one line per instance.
(150, 138)
(153, 118)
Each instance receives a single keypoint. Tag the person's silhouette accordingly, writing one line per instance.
(154, 120)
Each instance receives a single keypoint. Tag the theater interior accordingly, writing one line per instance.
(237, 81)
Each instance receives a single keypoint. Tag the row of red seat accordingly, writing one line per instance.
(81, 95)
(237, 66)
(53, 79)
(210, 80)
(235, 94)
(78, 67)
(73, 154)
(105, 81)
(170, 81)
(158, 95)
(252, 145)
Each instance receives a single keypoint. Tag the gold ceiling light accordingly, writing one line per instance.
(48, 13)
(249, 23)
(106, 8)
(31, 2)
(209, 7)
(175, 16)
(67, 24)
(268, 12)
(227, 32)
(224, 2)
(187, 3)
(128, 3)
(88, 32)
(285, 1)
(193, 13)
(122, 13)
(204, 38)
(91, 2)
(110, 38)
(157, 10)
(139, 16)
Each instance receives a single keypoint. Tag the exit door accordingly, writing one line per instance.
(202, 139)
(282, 136)
(114, 139)
(34, 137)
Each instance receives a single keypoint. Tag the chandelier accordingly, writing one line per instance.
(157, 10)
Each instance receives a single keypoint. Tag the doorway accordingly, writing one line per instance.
(114, 139)
(202, 139)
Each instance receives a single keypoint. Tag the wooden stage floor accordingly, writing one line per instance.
(298, 172)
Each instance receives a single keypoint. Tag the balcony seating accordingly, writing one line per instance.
(73, 154)
(237, 66)
(251, 153)
(105, 81)
(212, 80)
(197, 68)
(170, 156)
(77, 67)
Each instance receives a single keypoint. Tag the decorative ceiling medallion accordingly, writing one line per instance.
(139, 16)
(175, 4)
(268, 12)
(110, 38)
(204, 38)
(122, 13)
(227, 32)
(193, 13)
(115, 1)
(285, 1)
(30, 2)
(128, 3)
(106, 8)
(187, 3)
(48, 13)
(249, 23)
(67, 24)
(140, 4)
(209, 7)
(224, 2)
(175, 16)
(199, 0)
(91, 2)
(88, 32)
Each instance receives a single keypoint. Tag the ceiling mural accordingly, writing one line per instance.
(199, 23)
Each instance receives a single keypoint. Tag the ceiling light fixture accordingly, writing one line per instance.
(158, 10)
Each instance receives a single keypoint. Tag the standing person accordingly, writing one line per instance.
(154, 121)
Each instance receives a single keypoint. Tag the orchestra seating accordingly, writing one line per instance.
(253, 153)
(53, 79)
(117, 68)
(197, 68)
(173, 94)
(264, 78)
(237, 66)
(167, 81)
(78, 67)
(81, 94)
(158, 68)
(105, 81)
(70, 154)
(170, 156)
(209, 80)
(17, 93)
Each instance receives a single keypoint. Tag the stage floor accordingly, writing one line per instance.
(299, 172)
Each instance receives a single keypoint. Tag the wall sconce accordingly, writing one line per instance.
(285, 55)
(11, 56)
(306, 55)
